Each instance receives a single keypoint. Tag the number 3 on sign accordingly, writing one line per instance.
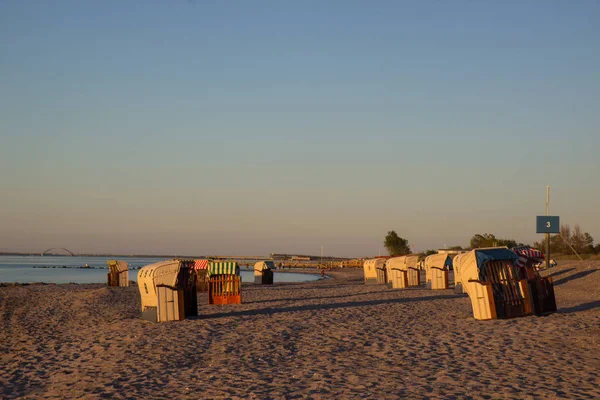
(548, 224)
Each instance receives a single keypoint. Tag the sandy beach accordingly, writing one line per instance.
(330, 338)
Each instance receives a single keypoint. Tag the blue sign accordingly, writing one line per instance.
(547, 224)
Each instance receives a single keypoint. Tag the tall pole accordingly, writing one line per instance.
(547, 234)
(321, 254)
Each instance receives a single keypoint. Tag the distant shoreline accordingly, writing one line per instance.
(172, 256)
(98, 255)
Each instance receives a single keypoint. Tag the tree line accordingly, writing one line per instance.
(563, 243)
(568, 240)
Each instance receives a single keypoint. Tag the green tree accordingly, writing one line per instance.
(556, 244)
(396, 245)
(490, 240)
(582, 242)
(510, 243)
(429, 252)
(485, 240)
(588, 241)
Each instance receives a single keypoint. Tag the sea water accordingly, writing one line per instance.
(64, 269)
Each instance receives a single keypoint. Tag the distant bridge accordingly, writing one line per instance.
(58, 248)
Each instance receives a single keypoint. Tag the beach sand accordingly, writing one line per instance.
(330, 338)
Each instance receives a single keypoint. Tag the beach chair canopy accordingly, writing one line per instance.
(200, 264)
(264, 265)
(374, 263)
(456, 267)
(223, 268)
(160, 273)
(442, 261)
(403, 263)
(163, 273)
(396, 263)
(469, 264)
(412, 261)
(457, 258)
(528, 256)
(117, 266)
(456, 261)
(370, 268)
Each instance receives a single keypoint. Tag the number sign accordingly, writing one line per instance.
(547, 224)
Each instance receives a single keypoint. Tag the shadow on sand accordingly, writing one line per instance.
(312, 298)
(309, 307)
(582, 307)
(326, 284)
(557, 273)
(578, 275)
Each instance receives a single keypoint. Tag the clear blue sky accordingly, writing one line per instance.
(250, 127)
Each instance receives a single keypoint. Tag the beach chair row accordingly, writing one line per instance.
(169, 289)
(404, 271)
(500, 282)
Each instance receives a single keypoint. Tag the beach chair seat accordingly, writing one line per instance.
(439, 278)
(201, 272)
(542, 295)
(263, 272)
(371, 269)
(168, 291)
(399, 278)
(404, 271)
(224, 283)
(437, 270)
(382, 277)
(492, 281)
(543, 301)
(118, 273)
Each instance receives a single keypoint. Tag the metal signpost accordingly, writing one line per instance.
(547, 224)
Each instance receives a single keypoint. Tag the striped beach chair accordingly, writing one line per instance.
(493, 283)
(541, 288)
(201, 269)
(224, 282)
